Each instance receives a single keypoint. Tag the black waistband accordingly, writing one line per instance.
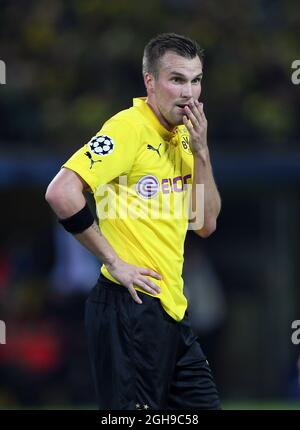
(102, 280)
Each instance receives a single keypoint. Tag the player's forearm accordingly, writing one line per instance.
(96, 243)
(91, 238)
(203, 174)
(66, 198)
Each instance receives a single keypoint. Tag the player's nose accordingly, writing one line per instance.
(187, 92)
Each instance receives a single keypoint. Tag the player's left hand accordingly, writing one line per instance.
(196, 123)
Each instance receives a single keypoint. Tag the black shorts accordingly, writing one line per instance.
(141, 358)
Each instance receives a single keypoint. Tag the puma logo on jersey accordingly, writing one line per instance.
(91, 159)
(154, 149)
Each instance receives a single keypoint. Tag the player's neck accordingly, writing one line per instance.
(159, 116)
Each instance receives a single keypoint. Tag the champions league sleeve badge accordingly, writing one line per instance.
(101, 145)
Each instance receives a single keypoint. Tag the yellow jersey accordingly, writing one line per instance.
(141, 176)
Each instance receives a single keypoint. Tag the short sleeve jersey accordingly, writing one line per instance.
(141, 175)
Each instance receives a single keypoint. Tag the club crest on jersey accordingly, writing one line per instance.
(147, 187)
(185, 145)
(101, 145)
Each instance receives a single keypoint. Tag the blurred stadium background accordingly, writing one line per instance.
(69, 66)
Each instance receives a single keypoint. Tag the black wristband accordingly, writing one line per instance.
(78, 222)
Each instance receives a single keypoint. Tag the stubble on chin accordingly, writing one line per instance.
(179, 120)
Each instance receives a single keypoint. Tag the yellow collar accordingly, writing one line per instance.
(145, 109)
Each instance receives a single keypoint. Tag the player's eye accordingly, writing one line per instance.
(176, 80)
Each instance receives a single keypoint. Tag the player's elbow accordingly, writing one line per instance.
(208, 229)
(64, 189)
(65, 193)
(55, 195)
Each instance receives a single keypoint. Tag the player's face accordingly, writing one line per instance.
(178, 82)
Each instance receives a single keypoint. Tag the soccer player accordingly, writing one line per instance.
(144, 163)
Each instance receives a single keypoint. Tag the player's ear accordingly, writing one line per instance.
(149, 82)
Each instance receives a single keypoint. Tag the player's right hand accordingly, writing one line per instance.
(129, 275)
